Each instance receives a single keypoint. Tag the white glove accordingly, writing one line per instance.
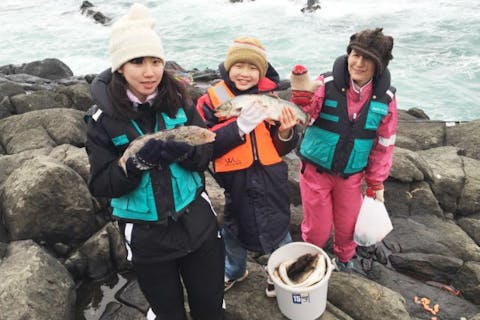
(250, 117)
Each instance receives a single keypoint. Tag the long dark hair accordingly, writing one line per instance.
(171, 96)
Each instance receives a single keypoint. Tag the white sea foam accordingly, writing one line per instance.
(436, 64)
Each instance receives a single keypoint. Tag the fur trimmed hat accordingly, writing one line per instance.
(373, 44)
(133, 36)
(247, 49)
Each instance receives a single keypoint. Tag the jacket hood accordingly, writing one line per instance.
(99, 92)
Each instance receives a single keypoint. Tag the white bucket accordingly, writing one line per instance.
(299, 303)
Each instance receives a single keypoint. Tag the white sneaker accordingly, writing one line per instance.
(230, 282)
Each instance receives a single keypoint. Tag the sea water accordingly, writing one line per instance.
(436, 65)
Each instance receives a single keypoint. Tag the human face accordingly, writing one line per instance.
(360, 68)
(143, 75)
(244, 75)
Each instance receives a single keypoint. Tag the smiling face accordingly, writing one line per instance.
(244, 75)
(143, 75)
(360, 68)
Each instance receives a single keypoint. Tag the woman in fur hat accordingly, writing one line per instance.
(166, 218)
(351, 140)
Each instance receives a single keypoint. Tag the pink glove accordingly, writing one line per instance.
(302, 86)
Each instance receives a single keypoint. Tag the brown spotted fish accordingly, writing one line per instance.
(272, 107)
(193, 135)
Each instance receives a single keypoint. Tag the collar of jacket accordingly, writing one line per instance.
(381, 83)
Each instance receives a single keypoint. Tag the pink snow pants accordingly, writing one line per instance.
(330, 201)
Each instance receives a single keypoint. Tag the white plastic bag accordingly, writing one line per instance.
(373, 223)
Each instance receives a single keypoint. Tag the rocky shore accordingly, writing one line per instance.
(55, 237)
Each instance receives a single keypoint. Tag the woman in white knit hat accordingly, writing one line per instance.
(168, 223)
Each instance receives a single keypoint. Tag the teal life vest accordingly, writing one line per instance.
(336, 144)
(139, 205)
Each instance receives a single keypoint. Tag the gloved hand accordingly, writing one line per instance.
(375, 191)
(250, 117)
(303, 87)
(150, 155)
(176, 151)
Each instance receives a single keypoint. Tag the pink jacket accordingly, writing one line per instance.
(380, 159)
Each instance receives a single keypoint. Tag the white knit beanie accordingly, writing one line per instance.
(132, 36)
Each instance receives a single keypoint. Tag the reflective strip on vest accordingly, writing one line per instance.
(386, 142)
(219, 93)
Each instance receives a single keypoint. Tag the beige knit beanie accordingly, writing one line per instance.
(133, 36)
(247, 49)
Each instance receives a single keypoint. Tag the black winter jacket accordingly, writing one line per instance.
(166, 239)
(257, 201)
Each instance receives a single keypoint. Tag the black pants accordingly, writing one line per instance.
(202, 272)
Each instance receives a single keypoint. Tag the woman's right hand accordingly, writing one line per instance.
(148, 157)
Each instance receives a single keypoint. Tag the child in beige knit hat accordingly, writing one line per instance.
(247, 159)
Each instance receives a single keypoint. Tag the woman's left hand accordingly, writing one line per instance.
(288, 120)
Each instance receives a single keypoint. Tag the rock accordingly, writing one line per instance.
(438, 236)
(87, 8)
(349, 292)
(416, 135)
(73, 157)
(42, 128)
(471, 225)
(465, 137)
(426, 266)
(46, 200)
(418, 113)
(101, 255)
(34, 285)
(50, 68)
(408, 166)
(469, 202)
(451, 306)
(448, 175)
(468, 281)
(118, 311)
(311, 6)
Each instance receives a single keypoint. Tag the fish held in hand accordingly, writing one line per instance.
(193, 135)
(272, 106)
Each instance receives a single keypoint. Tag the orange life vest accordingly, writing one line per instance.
(243, 156)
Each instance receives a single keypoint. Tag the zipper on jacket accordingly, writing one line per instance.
(254, 145)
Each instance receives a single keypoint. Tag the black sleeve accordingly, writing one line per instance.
(284, 147)
(202, 153)
(107, 178)
(226, 139)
